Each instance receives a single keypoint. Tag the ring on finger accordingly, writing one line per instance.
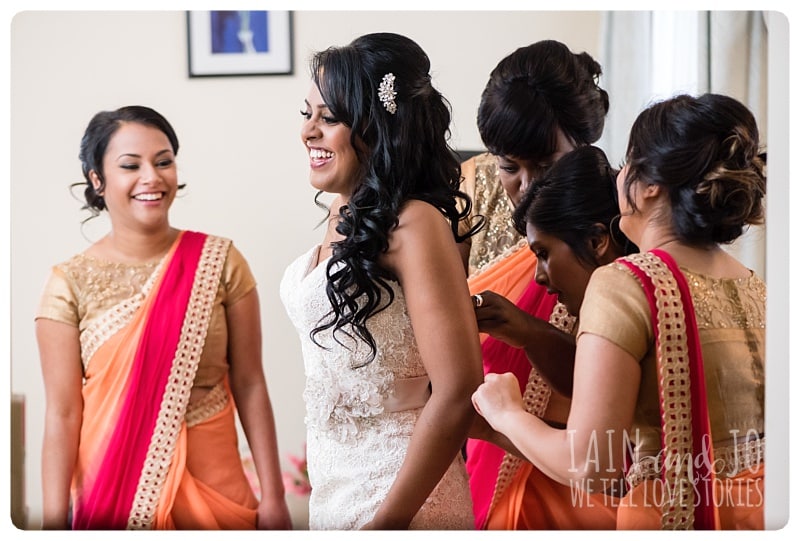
(478, 300)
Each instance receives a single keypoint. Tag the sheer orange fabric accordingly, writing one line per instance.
(739, 499)
(207, 490)
(533, 501)
(509, 277)
(191, 475)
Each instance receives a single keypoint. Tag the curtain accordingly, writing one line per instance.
(651, 55)
(737, 66)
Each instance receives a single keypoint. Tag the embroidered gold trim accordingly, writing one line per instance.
(176, 395)
(731, 460)
(114, 319)
(491, 201)
(210, 405)
(535, 398)
(561, 319)
(677, 511)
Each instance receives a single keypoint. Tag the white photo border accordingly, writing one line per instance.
(203, 63)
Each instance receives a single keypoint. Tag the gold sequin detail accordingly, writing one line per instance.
(181, 377)
(491, 201)
(103, 283)
(210, 405)
(721, 303)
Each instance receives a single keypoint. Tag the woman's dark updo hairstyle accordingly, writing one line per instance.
(569, 201)
(403, 156)
(704, 152)
(95, 141)
(535, 90)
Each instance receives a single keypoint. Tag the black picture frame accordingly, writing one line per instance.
(239, 43)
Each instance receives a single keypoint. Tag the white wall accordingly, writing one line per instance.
(240, 152)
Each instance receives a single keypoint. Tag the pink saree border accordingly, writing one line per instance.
(683, 401)
(112, 501)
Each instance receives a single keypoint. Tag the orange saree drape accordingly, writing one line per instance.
(508, 493)
(509, 277)
(739, 502)
(134, 468)
(533, 501)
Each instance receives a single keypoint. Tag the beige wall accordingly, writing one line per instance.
(240, 153)
(247, 172)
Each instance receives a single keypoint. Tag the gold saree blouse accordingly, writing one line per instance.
(731, 322)
(489, 199)
(83, 288)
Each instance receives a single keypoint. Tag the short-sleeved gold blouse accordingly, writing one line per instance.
(80, 290)
(731, 322)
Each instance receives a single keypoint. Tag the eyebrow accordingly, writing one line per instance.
(133, 155)
(322, 106)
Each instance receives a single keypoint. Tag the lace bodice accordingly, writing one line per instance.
(356, 440)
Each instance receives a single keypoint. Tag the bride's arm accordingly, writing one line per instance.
(426, 261)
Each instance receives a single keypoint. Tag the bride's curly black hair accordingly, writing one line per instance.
(403, 155)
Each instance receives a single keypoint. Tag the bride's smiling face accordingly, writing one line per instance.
(332, 159)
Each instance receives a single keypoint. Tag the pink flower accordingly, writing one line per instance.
(297, 483)
(300, 464)
(294, 485)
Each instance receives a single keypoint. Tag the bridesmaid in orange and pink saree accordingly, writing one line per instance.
(150, 346)
(540, 102)
(668, 399)
(573, 208)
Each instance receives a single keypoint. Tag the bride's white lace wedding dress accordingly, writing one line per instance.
(360, 420)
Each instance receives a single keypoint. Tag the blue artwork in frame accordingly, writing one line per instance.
(230, 43)
(239, 31)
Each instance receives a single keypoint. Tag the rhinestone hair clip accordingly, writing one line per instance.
(386, 93)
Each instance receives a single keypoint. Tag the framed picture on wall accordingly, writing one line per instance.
(230, 43)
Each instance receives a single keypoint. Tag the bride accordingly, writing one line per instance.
(389, 337)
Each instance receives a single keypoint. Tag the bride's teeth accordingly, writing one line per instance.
(318, 154)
